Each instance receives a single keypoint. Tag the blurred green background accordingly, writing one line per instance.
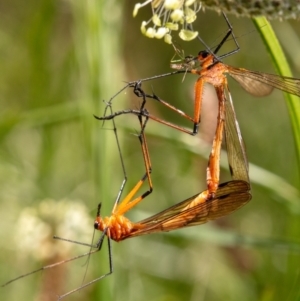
(59, 61)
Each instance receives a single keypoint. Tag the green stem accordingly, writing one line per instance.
(293, 103)
(97, 37)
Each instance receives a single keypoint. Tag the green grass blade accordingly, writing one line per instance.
(293, 103)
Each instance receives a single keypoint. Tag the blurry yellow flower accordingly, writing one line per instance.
(168, 16)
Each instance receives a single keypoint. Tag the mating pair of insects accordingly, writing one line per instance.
(218, 199)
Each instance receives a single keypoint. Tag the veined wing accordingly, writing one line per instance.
(236, 153)
(262, 84)
(197, 210)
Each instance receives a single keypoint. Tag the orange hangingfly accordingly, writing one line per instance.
(211, 70)
(193, 211)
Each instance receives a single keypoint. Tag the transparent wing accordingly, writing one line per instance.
(237, 158)
(262, 84)
(229, 197)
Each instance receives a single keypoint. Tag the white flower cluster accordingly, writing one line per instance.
(36, 226)
(168, 15)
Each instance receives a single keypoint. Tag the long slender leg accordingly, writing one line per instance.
(139, 92)
(128, 203)
(147, 114)
(227, 35)
(229, 32)
(100, 242)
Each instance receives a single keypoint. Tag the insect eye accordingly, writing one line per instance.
(96, 225)
(203, 54)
